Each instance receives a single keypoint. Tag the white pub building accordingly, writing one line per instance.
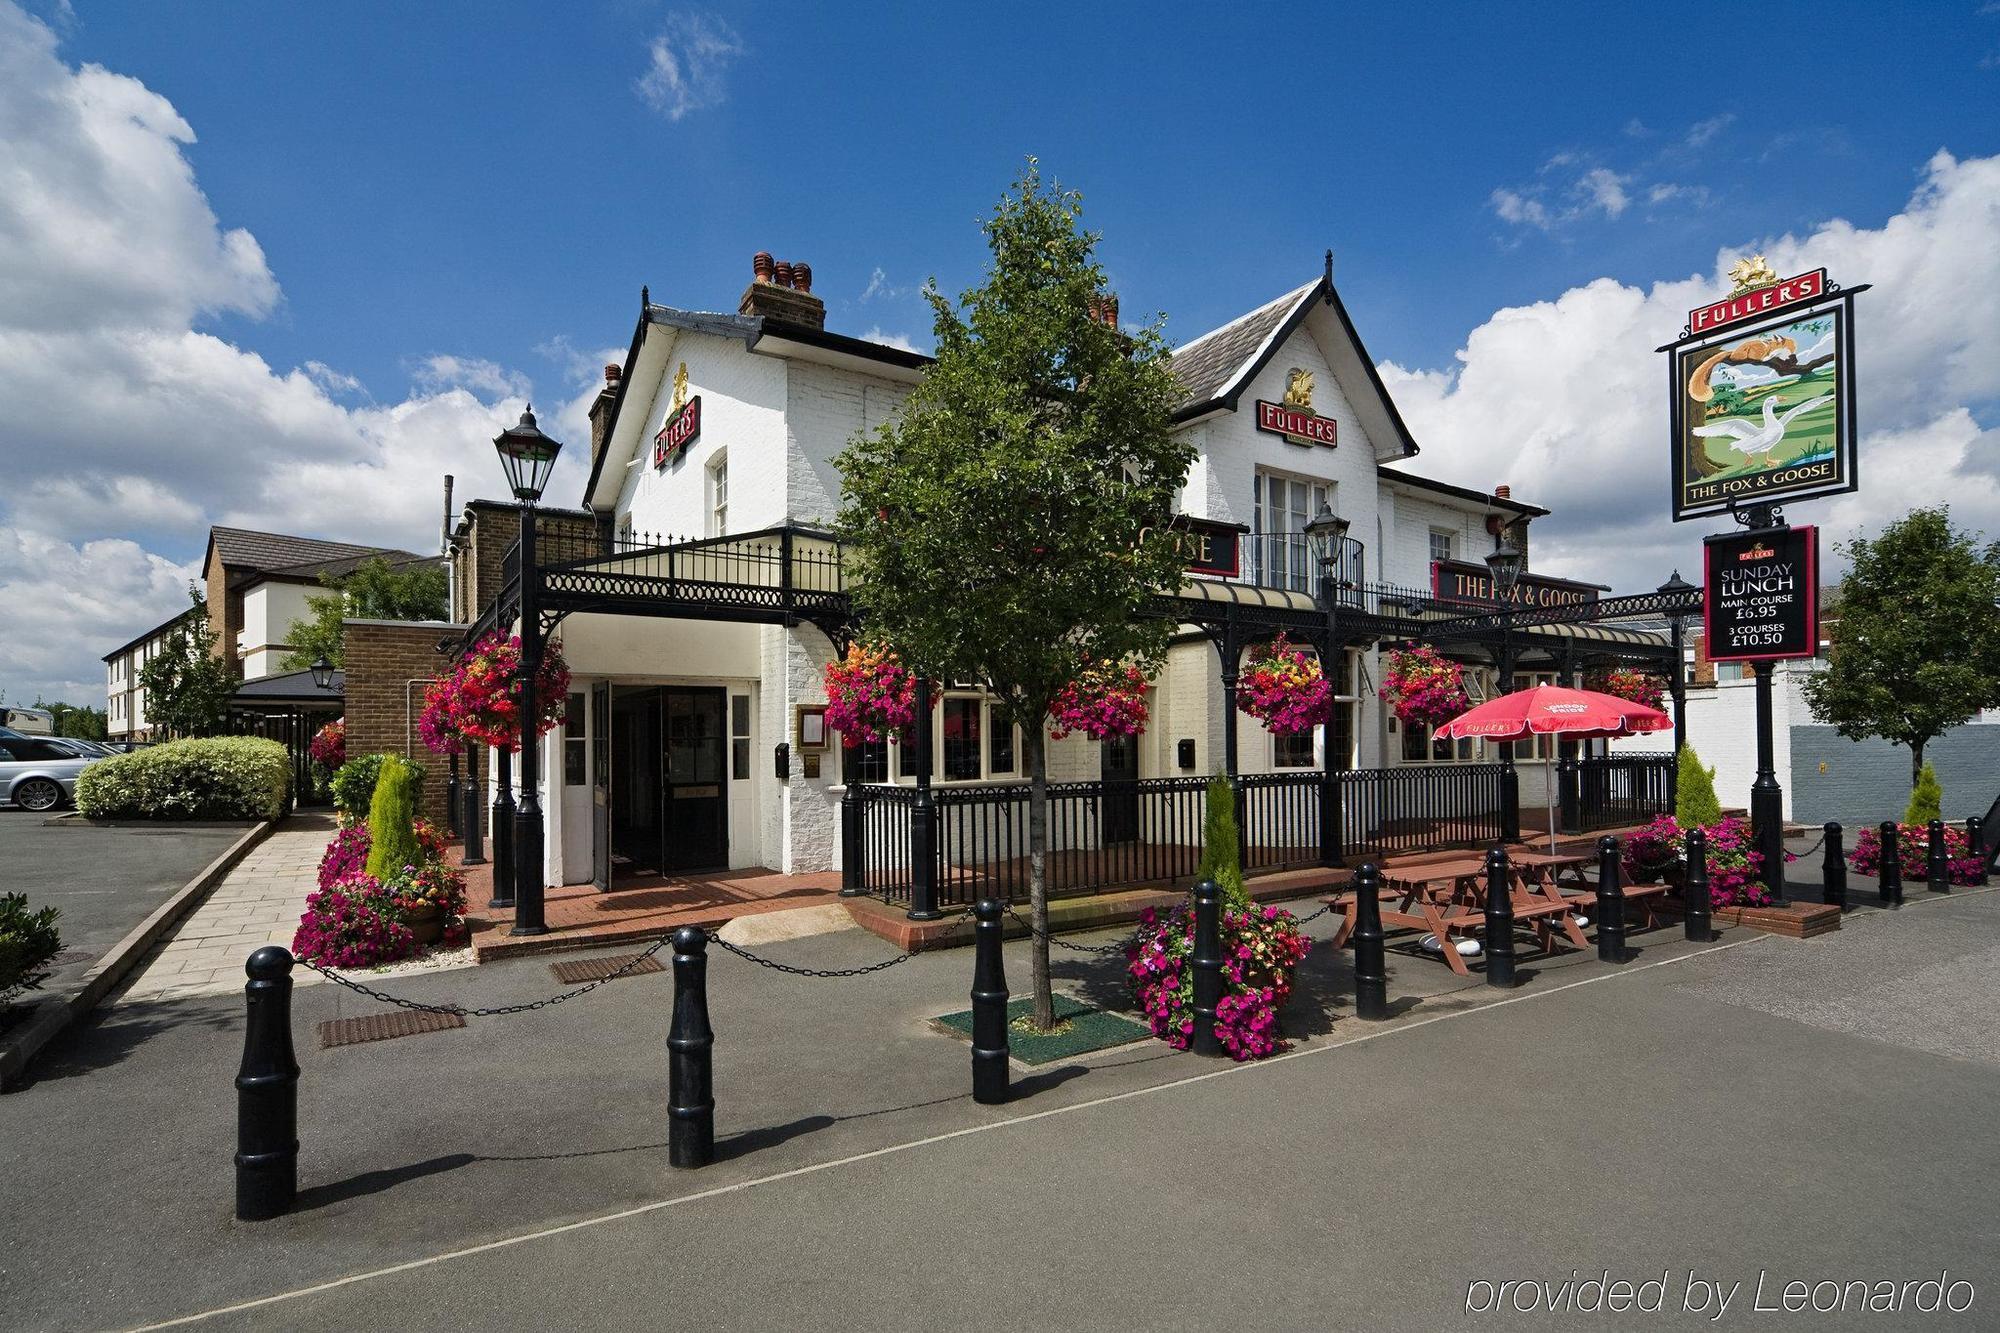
(697, 599)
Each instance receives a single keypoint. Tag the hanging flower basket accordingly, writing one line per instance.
(1105, 701)
(328, 749)
(1284, 688)
(481, 700)
(1424, 688)
(1637, 687)
(870, 694)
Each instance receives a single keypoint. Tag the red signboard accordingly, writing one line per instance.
(1299, 427)
(1761, 301)
(1208, 547)
(1463, 581)
(678, 433)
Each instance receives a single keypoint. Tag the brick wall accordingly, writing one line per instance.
(225, 614)
(383, 658)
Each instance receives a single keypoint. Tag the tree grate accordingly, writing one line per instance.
(597, 969)
(382, 1027)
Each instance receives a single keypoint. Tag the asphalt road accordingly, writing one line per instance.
(1811, 1111)
(105, 880)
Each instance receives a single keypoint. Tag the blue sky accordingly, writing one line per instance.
(302, 259)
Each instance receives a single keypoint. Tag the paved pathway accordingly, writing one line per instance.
(259, 903)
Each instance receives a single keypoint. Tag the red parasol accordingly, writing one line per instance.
(1554, 710)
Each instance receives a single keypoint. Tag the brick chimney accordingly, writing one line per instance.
(600, 413)
(781, 290)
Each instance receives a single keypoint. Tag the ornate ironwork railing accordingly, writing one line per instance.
(1619, 790)
(1112, 835)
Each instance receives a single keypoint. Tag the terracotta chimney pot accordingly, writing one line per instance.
(760, 265)
(782, 274)
(1502, 491)
(802, 277)
(612, 374)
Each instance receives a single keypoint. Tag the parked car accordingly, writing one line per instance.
(82, 748)
(39, 772)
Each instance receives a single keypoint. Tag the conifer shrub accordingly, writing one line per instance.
(1695, 805)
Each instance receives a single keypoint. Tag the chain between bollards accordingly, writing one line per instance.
(267, 1091)
(1499, 919)
(690, 1056)
(1889, 872)
(1610, 904)
(1206, 960)
(1699, 921)
(1833, 872)
(989, 1005)
(1937, 863)
(1371, 975)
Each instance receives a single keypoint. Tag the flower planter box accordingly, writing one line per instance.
(1797, 921)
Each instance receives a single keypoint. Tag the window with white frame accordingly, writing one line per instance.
(1303, 751)
(718, 496)
(1283, 506)
(1444, 544)
(969, 743)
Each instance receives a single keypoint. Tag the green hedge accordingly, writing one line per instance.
(354, 784)
(223, 777)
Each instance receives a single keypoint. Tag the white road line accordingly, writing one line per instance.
(816, 1167)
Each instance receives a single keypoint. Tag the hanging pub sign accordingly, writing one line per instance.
(1294, 418)
(1463, 581)
(1760, 595)
(1208, 547)
(683, 422)
(1762, 393)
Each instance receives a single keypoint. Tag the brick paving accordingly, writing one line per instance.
(258, 903)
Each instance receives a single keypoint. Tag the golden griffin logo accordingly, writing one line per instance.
(1299, 390)
(680, 389)
(1751, 273)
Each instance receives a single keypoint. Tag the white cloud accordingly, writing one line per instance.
(1702, 131)
(1563, 399)
(438, 372)
(876, 334)
(686, 63)
(1513, 206)
(1604, 189)
(131, 430)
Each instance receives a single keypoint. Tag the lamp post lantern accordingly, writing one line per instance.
(1326, 542)
(322, 672)
(1503, 566)
(528, 457)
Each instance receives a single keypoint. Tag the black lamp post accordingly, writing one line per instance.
(1326, 539)
(1677, 588)
(528, 457)
(322, 672)
(1503, 565)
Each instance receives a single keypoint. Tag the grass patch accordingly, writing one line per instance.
(1079, 1030)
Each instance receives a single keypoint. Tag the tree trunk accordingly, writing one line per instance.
(1038, 889)
(1917, 761)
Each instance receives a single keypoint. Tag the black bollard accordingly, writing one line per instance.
(989, 1006)
(1833, 874)
(690, 1056)
(1371, 975)
(1700, 920)
(1975, 837)
(1610, 903)
(1889, 874)
(1206, 960)
(1499, 920)
(267, 1091)
(1937, 866)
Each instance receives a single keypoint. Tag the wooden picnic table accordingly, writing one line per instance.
(1449, 898)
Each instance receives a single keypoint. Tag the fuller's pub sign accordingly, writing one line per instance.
(683, 422)
(1294, 418)
(1762, 390)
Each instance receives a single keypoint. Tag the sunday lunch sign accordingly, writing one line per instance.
(1760, 595)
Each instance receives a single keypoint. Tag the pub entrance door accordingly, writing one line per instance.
(696, 779)
(1120, 771)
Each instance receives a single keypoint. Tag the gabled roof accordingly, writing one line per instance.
(247, 551)
(1218, 366)
(341, 566)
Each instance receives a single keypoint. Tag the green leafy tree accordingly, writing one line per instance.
(392, 816)
(1926, 799)
(1916, 651)
(82, 722)
(1012, 523)
(187, 686)
(1695, 804)
(1221, 850)
(374, 590)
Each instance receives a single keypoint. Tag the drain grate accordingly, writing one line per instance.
(381, 1027)
(597, 969)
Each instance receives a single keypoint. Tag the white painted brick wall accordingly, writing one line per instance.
(825, 410)
(743, 399)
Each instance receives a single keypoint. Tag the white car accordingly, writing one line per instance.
(37, 773)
